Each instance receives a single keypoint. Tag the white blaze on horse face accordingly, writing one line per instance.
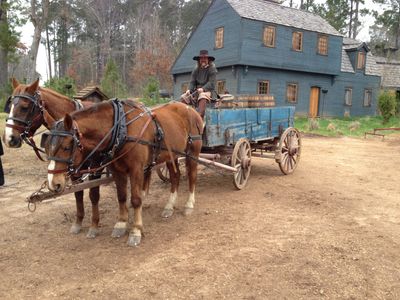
(9, 131)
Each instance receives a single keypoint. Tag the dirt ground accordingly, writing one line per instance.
(330, 230)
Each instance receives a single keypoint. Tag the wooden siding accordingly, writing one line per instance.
(219, 14)
(330, 103)
(282, 56)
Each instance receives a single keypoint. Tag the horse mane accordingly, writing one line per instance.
(54, 93)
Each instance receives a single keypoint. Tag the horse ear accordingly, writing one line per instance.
(48, 119)
(14, 82)
(33, 87)
(67, 122)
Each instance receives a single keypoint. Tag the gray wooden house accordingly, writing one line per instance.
(262, 47)
(390, 75)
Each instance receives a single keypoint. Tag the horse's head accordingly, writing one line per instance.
(25, 113)
(64, 150)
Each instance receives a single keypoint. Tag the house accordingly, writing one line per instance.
(390, 74)
(262, 47)
(91, 93)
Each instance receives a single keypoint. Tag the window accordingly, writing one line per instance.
(323, 45)
(347, 96)
(184, 87)
(297, 41)
(263, 87)
(221, 87)
(367, 97)
(219, 38)
(291, 92)
(361, 60)
(269, 36)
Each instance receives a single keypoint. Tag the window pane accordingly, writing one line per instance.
(291, 92)
(269, 36)
(219, 38)
(263, 87)
(323, 45)
(361, 60)
(367, 97)
(297, 41)
(184, 87)
(348, 96)
(221, 87)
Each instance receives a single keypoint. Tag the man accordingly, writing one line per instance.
(1, 166)
(202, 83)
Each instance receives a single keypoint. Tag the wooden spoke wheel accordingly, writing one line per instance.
(287, 155)
(241, 160)
(163, 173)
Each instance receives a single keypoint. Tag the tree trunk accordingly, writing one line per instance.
(3, 51)
(38, 21)
(355, 21)
(48, 52)
(351, 19)
(63, 38)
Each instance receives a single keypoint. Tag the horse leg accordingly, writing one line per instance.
(121, 226)
(137, 180)
(174, 178)
(191, 167)
(94, 195)
(80, 213)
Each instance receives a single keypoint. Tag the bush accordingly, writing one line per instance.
(387, 105)
(5, 92)
(64, 85)
(313, 124)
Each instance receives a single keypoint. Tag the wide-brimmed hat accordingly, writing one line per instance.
(204, 53)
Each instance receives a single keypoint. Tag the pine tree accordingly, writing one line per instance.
(111, 83)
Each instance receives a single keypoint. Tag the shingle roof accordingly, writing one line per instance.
(390, 73)
(371, 66)
(266, 11)
(82, 94)
(346, 63)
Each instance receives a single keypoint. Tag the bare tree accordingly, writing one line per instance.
(38, 16)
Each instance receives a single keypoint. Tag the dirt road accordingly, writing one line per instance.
(330, 230)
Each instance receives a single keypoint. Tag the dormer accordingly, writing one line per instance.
(357, 52)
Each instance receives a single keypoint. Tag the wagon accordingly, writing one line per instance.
(234, 135)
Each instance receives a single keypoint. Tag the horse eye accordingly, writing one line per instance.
(67, 148)
(24, 109)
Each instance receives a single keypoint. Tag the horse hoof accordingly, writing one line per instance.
(75, 228)
(167, 213)
(134, 240)
(188, 211)
(119, 230)
(92, 233)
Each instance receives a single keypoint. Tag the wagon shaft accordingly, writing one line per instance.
(42, 196)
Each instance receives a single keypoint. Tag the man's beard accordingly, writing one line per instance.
(204, 65)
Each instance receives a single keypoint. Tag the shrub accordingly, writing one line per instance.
(313, 124)
(331, 127)
(64, 85)
(354, 125)
(387, 105)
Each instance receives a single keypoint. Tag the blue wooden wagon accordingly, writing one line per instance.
(234, 135)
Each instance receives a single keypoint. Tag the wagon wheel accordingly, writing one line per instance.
(163, 172)
(287, 155)
(241, 160)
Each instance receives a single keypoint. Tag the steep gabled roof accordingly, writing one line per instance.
(87, 91)
(267, 11)
(390, 72)
(352, 44)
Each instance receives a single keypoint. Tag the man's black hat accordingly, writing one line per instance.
(204, 53)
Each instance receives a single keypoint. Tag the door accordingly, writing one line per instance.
(314, 102)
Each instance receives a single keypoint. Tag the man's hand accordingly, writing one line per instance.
(187, 92)
(200, 90)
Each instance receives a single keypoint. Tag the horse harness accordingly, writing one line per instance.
(119, 137)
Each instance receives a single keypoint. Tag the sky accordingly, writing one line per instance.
(41, 66)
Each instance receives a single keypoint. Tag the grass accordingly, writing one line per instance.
(355, 126)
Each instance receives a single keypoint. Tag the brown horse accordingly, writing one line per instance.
(151, 137)
(26, 107)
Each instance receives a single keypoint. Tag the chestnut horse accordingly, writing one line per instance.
(26, 107)
(148, 138)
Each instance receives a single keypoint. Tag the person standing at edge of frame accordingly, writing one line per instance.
(1, 165)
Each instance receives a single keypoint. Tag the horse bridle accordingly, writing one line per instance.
(31, 119)
(75, 134)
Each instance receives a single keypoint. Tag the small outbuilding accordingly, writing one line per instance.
(390, 75)
(91, 93)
